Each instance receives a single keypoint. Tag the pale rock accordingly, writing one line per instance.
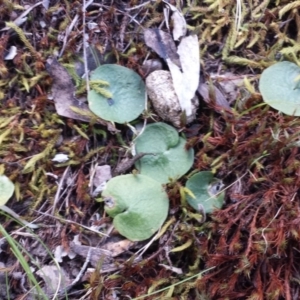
(162, 94)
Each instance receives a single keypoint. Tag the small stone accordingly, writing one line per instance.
(161, 92)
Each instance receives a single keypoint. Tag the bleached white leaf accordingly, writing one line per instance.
(93, 26)
(12, 52)
(76, 239)
(60, 158)
(173, 269)
(7, 189)
(188, 51)
(186, 80)
(179, 23)
(43, 24)
(59, 253)
(99, 189)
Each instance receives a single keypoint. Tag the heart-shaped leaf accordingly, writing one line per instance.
(138, 204)
(126, 90)
(168, 158)
(280, 87)
(6, 189)
(206, 190)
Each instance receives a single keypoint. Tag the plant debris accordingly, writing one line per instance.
(246, 249)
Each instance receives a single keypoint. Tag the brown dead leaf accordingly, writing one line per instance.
(96, 253)
(212, 94)
(117, 248)
(107, 252)
(63, 91)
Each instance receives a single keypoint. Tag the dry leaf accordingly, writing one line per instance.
(63, 91)
(119, 247)
(179, 23)
(96, 253)
(184, 65)
(186, 79)
(102, 174)
(105, 252)
(230, 84)
(218, 97)
(12, 52)
(55, 279)
(60, 252)
(60, 158)
(162, 43)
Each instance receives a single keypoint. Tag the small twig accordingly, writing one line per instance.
(80, 274)
(263, 231)
(59, 188)
(126, 163)
(69, 29)
(22, 17)
(161, 248)
(86, 71)
(138, 6)
(87, 260)
(70, 222)
(238, 15)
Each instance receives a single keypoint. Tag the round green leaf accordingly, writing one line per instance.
(167, 158)
(128, 94)
(6, 189)
(280, 87)
(138, 204)
(206, 191)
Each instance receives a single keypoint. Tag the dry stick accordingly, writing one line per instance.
(69, 29)
(86, 71)
(22, 17)
(71, 222)
(138, 6)
(57, 195)
(238, 15)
